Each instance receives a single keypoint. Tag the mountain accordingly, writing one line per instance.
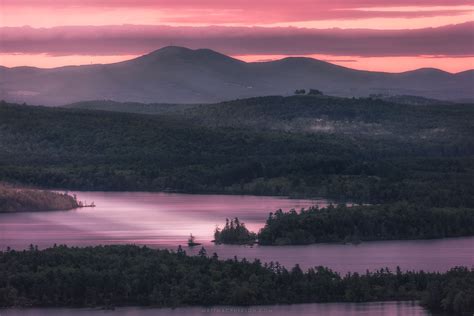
(180, 75)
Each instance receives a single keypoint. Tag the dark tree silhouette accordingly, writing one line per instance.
(234, 232)
(131, 275)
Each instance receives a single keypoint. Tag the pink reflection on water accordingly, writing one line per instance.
(163, 220)
(407, 308)
(144, 218)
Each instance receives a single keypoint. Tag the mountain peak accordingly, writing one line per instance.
(172, 50)
(428, 71)
(179, 53)
(176, 74)
(169, 51)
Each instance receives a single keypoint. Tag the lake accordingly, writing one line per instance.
(327, 309)
(165, 220)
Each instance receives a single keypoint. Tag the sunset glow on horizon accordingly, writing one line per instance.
(352, 33)
(397, 64)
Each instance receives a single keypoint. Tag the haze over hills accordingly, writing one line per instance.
(180, 75)
(371, 117)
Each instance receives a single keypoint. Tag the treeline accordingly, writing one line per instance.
(358, 223)
(130, 275)
(234, 232)
(431, 162)
(129, 107)
(13, 199)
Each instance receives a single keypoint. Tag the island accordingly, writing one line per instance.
(234, 232)
(192, 241)
(14, 199)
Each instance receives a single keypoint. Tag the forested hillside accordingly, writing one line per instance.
(370, 117)
(129, 107)
(383, 153)
(431, 121)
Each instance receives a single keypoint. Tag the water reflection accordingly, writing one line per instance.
(327, 309)
(166, 220)
(159, 219)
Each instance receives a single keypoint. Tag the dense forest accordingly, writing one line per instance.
(360, 117)
(13, 199)
(377, 117)
(383, 152)
(130, 275)
(129, 107)
(234, 232)
(373, 222)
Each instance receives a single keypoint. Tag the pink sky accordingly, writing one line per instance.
(366, 34)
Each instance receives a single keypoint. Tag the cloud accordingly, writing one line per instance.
(254, 11)
(454, 40)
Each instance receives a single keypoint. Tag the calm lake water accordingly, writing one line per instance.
(328, 309)
(165, 220)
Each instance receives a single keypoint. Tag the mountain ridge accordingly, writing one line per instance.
(180, 49)
(176, 74)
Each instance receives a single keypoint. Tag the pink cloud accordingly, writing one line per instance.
(252, 11)
(454, 40)
(219, 4)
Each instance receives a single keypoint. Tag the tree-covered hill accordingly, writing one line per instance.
(427, 156)
(428, 122)
(369, 117)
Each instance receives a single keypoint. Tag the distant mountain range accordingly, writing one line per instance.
(180, 75)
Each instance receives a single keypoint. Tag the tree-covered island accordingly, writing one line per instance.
(234, 232)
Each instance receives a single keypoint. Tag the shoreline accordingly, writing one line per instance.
(14, 199)
(211, 308)
(166, 286)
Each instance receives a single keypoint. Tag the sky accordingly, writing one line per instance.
(393, 36)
